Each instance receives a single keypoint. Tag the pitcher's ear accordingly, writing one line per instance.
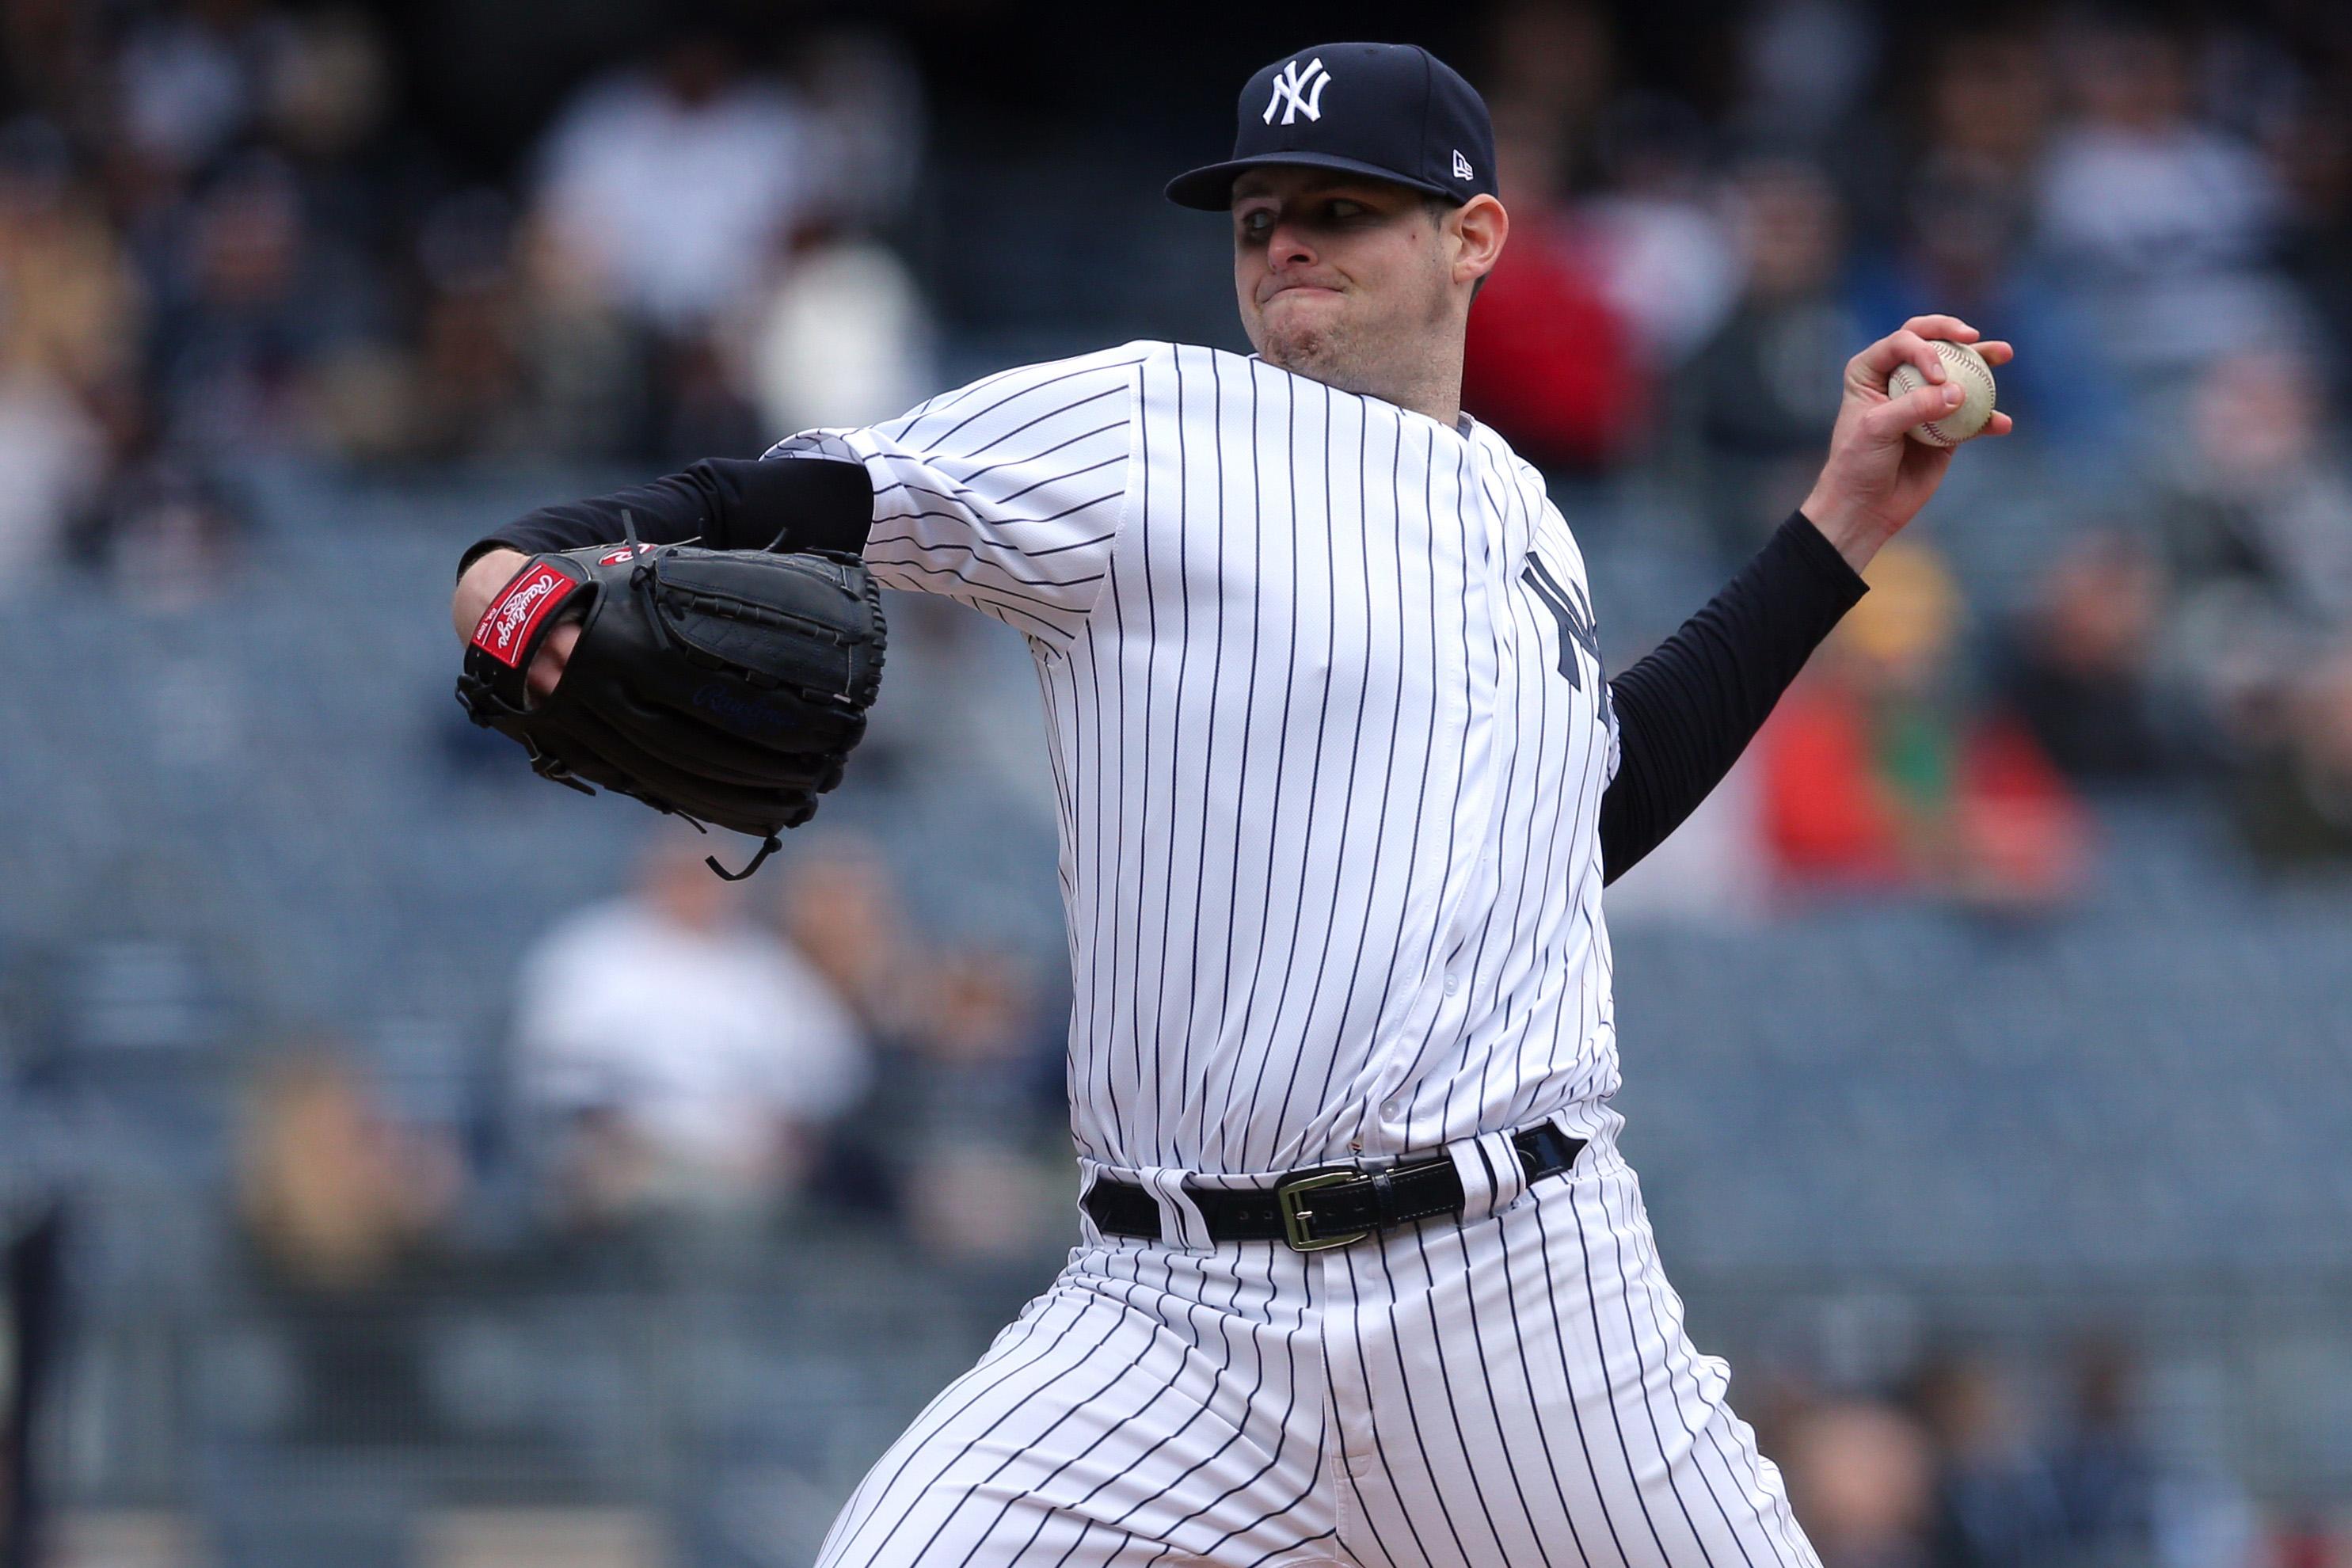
(1484, 227)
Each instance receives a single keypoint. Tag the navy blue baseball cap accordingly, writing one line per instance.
(1393, 111)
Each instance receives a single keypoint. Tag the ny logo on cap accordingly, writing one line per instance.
(1295, 91)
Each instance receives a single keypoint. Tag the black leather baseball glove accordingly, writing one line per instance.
(725, 686)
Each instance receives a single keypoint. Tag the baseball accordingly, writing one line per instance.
(1967, 368)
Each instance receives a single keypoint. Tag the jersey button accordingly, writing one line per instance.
(1453, 983)
(1392, 1110)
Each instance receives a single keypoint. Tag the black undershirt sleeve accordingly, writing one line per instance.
(727, 503)
(1683, 714)
(1686, 711)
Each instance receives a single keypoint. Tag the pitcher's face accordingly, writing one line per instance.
(1340, 275)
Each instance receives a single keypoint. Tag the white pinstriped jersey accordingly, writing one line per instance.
(1330, 735)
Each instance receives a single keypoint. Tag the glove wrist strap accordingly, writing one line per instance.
(517, 621)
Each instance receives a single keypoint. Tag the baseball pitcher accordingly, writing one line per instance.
(1362, 1275)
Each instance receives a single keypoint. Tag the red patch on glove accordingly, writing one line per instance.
(514, 616)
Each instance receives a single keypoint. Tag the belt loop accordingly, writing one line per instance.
(1493, 1178)
(1181, 1223)
(1090, 1173)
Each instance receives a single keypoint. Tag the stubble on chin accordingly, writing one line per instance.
(1323, 353)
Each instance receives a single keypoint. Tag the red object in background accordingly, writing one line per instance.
(1550, 363)
(2308, 1543)
(1827, 817)
(2009, 827)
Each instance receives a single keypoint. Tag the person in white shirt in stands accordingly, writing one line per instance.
(681, 1056)
(677, 181)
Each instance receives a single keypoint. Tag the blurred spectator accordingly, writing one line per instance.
(70, 306)
(984, 1183)
(1549, 362)
(32, 1314)
(1997, 1502)
(2077, 665)
(51, 463)
(2252, 508)
(1859, 1478)
(2294, 793)
(705, 403)
(840, 911)
(1806, 64)
(332, 1192)
(965, 1132)
(327, 95)
(844, 337)
(2258, 493)
(677, 179)
(1881, 772)
(2313, 155)
(863, 99)
(1764, 392)
(1991, 101)
(2162, 222)
(347, 1216)
(69, 319)
(163, 528)
(189, 78)
(681, 1057)
(2105, 1470)
(1666, 259)
(255, 302)
(1558, 58)
(584, 363)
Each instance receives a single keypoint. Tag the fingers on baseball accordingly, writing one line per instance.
(1890, 419)
(1950, 328)
(1905, 347)
(1996, 351)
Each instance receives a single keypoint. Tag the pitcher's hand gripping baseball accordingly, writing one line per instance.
(1877, 476)
(726, 687)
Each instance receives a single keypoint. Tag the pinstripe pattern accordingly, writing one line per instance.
(1329, 736)
(1519, 1389)
(1328, 811)
(1154, 1408)
(1516, 1389)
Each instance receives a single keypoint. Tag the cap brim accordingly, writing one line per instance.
(1210, 189)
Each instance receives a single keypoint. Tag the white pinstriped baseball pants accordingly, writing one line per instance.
(1516, 1389)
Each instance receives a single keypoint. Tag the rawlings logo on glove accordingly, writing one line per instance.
(507, 625)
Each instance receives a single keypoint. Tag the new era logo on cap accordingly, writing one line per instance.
(1398, 113)
(1297, 92)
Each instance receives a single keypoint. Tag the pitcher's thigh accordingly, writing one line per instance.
(1109, 1427)
(1549, 1408)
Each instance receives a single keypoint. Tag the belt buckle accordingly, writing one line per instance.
(1296, 1219)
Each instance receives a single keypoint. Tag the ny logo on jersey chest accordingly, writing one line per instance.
(1573, 611)
(1297, 92)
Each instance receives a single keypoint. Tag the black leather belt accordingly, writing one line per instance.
(1333, 1207)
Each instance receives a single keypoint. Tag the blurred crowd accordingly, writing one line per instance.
(222, 239)
(2151, 585)
(691, 1053)
(1956, 1468)
(225, 235)
(690, 1058)
(225, 238)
